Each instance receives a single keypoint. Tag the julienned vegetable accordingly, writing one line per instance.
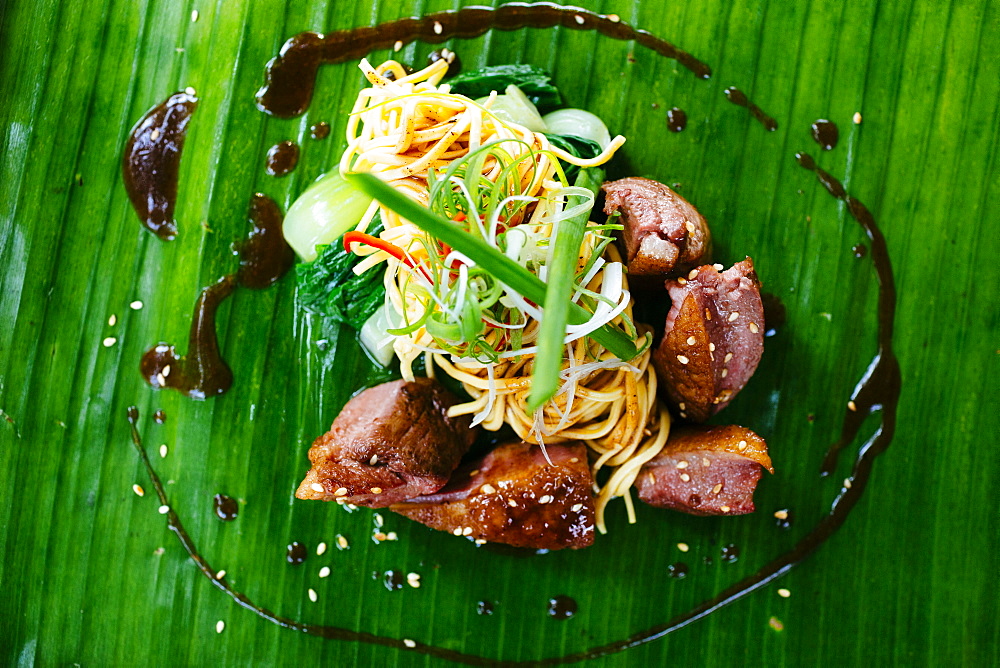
(321, 214)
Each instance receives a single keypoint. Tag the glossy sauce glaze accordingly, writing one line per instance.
(282, 158)
(740, 99)
(226, 508)
(151, 162)
(202, 373)
(290, 81)
(825, 133)
(676, 119)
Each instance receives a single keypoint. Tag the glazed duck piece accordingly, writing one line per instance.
(390, 443)
(705, 471)
(664, 234)
(514, 496)
(713, 339)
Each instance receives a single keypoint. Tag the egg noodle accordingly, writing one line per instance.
(505, 184)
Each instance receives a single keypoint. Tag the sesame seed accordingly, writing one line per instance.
(379, 536)
(578, 19)
(717, 488)
(682, 281)
(717, 267)
(781, 514)
(711, 347)
(221, 574)
(691, 340)
(136, 305)
(857, 118)
(728, 357)
(409, 643)
(683, 547)
(647, 432)
(852, 406)
(682, 359)
(413, 579)
(376, 490)
(194, 15)
(110, 341)
(734, 315)
(577, 507)
(742, 445)
(190, 91)
(725, 372)
(574, 460)
(324, 572)
(754, 328)
(488, 489)
(682, 406)
(693, 274)
(724, 509)
(138, 490)
(320, 549)
(512, 503)
(683, 414)
(112, 320)
(316, 487)
(378, 520)
(163, 451)
(689, 225)
(614, 18)
(437, 28)
(784, 593)
(479, 541)
(682, 464)
(708, 314)
(342, 543)
(474, 472)
(341, 491)
(545, 499)
(847, 483)
(705, 461)
(391, 536)
(154, 135)
(220, 626)
(776, 624)
(685, 477)
(467, 531)
(163, 510)
(457, 531)
(373, 460)
(166, 371)
(312, 595)
(397, 46)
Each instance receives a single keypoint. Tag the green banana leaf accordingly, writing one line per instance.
(91, 574)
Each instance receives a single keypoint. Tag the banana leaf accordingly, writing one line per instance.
(92, 575)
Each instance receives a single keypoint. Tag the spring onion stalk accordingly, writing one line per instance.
(559, 287)
(500, 266)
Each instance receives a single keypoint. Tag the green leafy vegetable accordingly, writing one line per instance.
(533, 81)
(558, 294)
(328, 285)
(581, 147)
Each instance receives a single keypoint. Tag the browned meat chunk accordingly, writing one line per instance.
(705, 471)
(663, 233)
(713, 340)
(392, 442)
(515, 496)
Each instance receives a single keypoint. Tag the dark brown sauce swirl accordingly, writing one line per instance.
(291, 75)
(264, 258)
(740, 99)
(151, 162)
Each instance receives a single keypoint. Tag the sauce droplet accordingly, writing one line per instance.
(730, 553)
(562, 607)
(678, 571)
(151, 162)
(296, 553)
(676, 119)
(859, 250)
(825, 133)
(392, 580)
(320, 130)
(484, 607)
(282, 158)
(739, 98)
(226, 508)
(160, 417)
